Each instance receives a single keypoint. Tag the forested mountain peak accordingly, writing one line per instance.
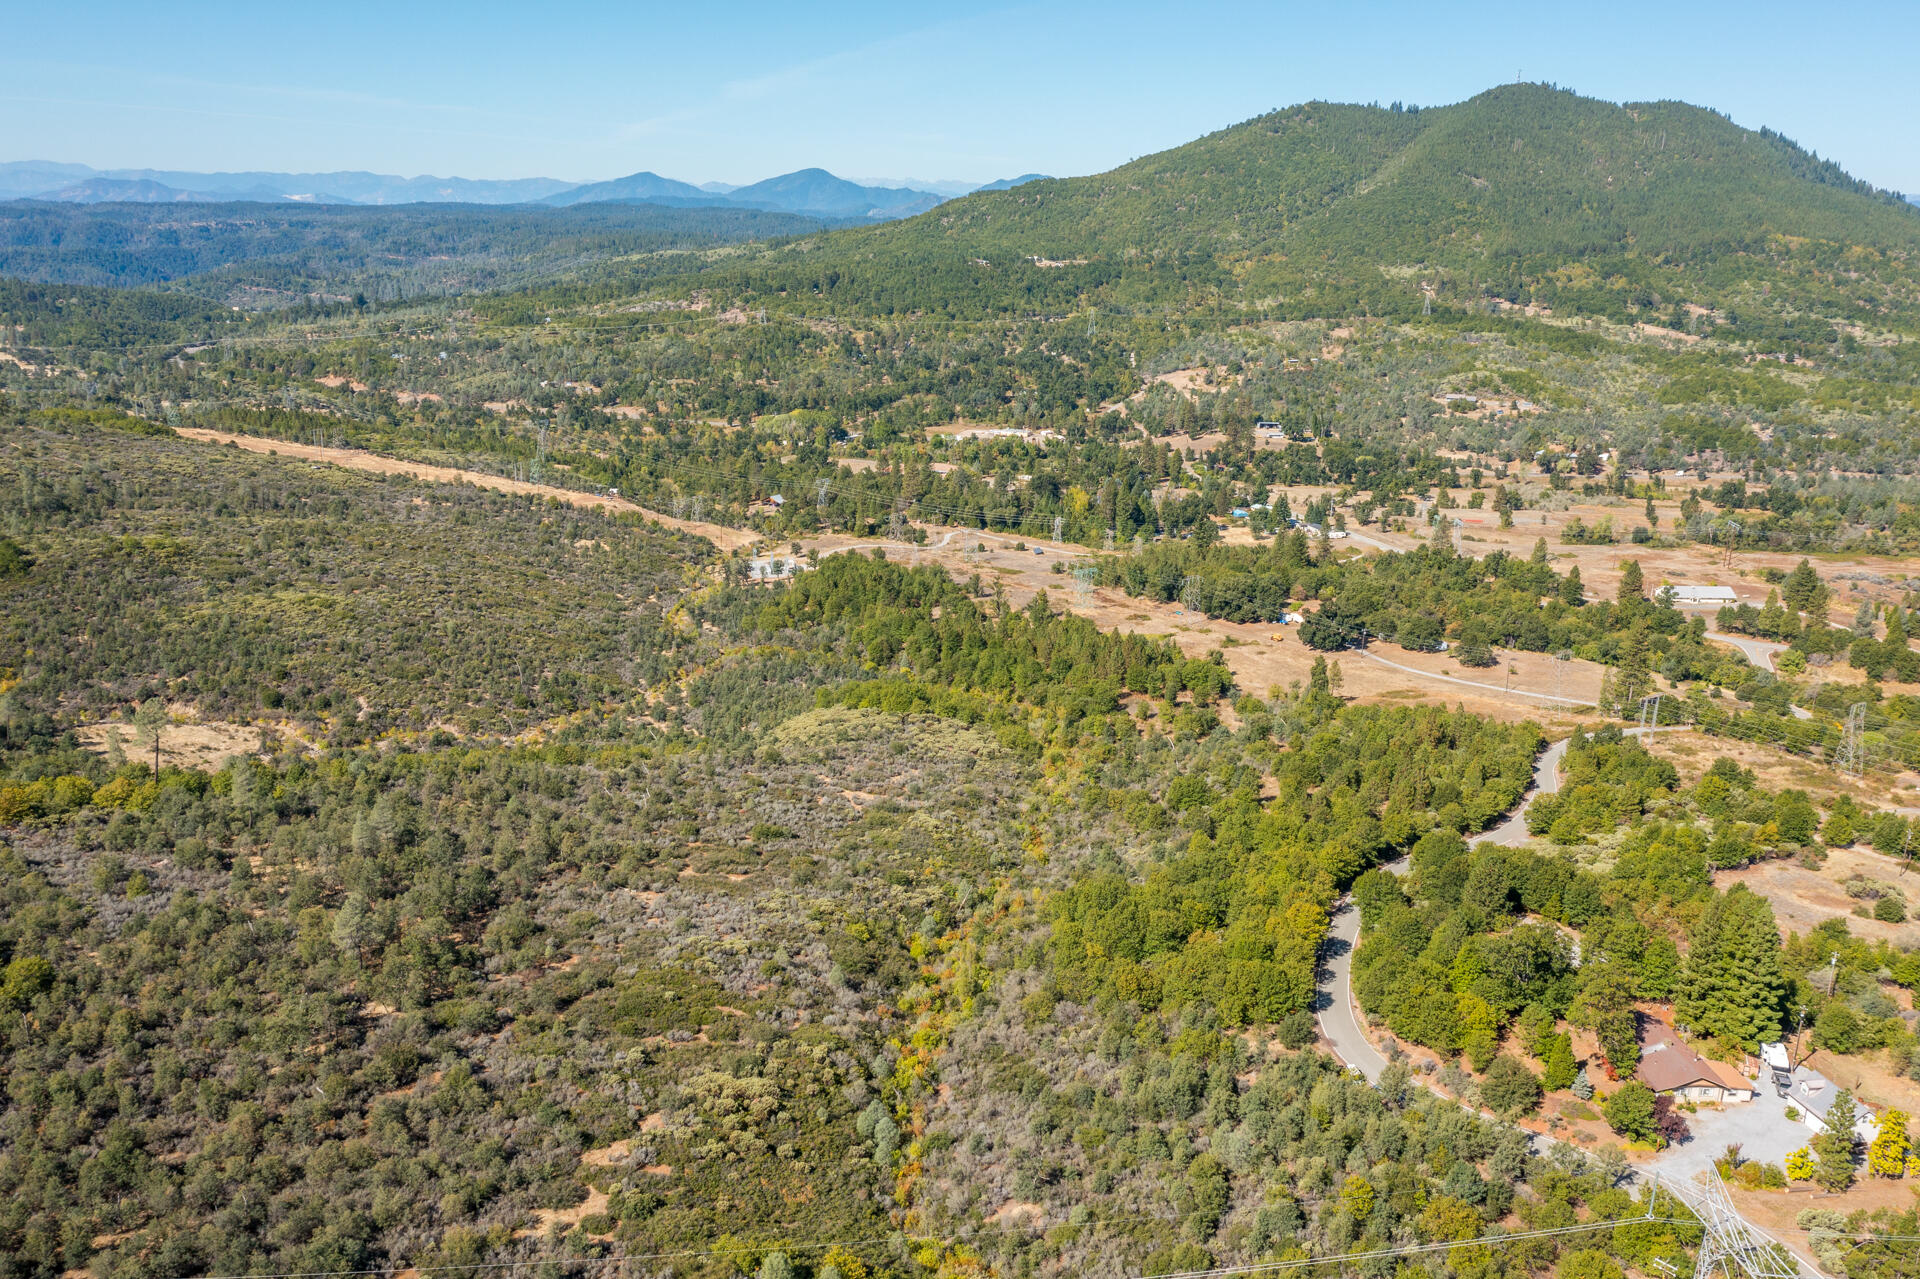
(1523, 193)
(1520, 168)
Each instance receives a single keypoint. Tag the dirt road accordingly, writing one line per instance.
(1262, 658)
(726, 539)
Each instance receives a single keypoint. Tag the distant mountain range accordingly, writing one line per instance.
(814, 192)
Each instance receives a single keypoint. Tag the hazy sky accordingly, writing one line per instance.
(737, 92)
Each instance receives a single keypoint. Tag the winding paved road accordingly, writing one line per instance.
(1761, 653)
(1333, 1000)
(1758, 651)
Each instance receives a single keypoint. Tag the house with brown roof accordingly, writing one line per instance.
(1676, 1069)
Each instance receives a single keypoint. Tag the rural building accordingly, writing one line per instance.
(1688, 594)
(1676, 1069)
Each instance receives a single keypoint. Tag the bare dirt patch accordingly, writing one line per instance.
(199, 745)
(544, 1219)
(608, 1156)
(1803, 898)
(1778, 770)
(1017, 1210)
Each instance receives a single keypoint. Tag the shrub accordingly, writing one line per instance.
(1509, 1087)
(1629, 1111)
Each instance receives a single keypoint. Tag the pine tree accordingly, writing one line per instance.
(1560, 1068)
(1659, 966)
(1571, 591)
(1636, 671)
(1731, 985)
(1633, 583)
(1834, 1146)
(1798, 590)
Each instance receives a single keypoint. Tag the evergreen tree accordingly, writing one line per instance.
(1798, 590)
(1636, 671)
(1571, 591)
(1561, 1070)
(1659, 966)
(1731, 986)
(1834, 1147)
(1633, 583)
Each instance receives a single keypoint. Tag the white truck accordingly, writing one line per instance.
(1779, 1066)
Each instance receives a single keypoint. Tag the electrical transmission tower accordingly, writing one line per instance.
(1650, 713)
(1853, 744)
(820, 488)
(1083, 576)
(1729, 1247)
(1059, 526)
(896, 522)
(1560, 661)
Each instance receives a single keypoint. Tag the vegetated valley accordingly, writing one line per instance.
(864, 778)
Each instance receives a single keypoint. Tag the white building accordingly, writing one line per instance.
(1687, 593)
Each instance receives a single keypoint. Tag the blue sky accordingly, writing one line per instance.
(961, 91)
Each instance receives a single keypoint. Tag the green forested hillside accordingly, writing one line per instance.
(1326, 201)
